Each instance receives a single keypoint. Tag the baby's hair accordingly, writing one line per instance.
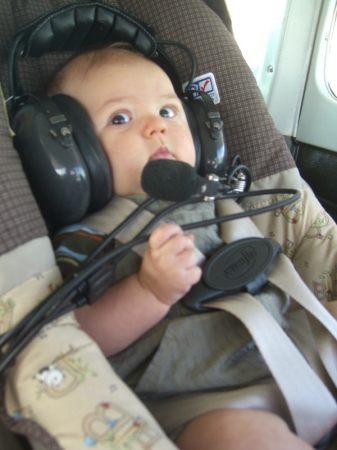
(92, 57)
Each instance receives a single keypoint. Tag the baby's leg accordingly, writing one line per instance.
(332, 308)
(236, 429)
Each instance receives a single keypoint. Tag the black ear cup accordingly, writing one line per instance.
(67, 168)
(94, 156)
(207, 132)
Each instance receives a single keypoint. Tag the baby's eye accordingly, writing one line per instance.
(167, 112)
(120, 119)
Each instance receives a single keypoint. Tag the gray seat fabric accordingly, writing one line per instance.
(220, 8)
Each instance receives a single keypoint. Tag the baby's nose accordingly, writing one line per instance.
(154, 125)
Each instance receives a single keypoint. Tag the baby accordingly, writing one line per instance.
(138, 117)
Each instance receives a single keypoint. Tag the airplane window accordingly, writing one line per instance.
(331, 69)
(258, 28)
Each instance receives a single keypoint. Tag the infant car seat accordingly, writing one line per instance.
(28, 269)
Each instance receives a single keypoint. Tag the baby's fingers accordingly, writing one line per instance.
(163, 234)
(193, 276)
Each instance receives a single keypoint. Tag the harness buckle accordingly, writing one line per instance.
(237, 267)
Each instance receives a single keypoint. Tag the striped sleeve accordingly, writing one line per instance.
(73, 244)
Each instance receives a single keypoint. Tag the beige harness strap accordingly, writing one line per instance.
(323, 325)
(107, 220)
(311, 404)
(312, 407)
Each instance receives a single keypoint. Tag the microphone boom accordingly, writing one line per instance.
(176, 181)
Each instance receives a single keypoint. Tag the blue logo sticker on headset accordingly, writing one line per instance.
(207, 84)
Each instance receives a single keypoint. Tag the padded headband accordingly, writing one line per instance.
(80, 26)
(73, 28)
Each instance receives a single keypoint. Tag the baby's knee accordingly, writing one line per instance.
(238, 428)
(240, 425)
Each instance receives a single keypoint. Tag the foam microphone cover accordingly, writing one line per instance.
(167, 179)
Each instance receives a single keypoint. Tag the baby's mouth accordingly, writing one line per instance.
(162, 153)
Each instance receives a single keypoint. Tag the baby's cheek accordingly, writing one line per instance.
(189, 153)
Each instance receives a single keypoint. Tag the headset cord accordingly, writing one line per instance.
(44, 313)
(117, 230)
(53, 306)
(191, 56)
(4, 338)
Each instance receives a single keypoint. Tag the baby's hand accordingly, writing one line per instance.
(169, 265)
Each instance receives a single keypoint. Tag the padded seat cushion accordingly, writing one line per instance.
(249, 129)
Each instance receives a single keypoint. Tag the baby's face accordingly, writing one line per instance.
(137, 117)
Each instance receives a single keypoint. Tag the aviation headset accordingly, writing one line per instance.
(64, 162)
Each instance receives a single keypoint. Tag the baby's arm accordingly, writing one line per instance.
(131, 307)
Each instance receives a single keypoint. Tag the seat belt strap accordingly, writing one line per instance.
(323, 325)
(312, 407)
